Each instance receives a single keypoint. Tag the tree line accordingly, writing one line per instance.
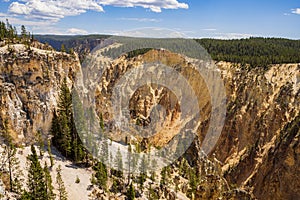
(9, 33)
(255, 51)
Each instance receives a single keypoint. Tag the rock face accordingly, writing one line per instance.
(29, 86)
(146, 97)
(259, 145)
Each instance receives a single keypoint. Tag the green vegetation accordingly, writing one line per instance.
(257, 52)
(9, 34)
(100, 176)
(137, 52)
(62, 193)
(65, 136)
(7, 31)
(48, 183)
(130, 193)
(10, 161)
(36, 182)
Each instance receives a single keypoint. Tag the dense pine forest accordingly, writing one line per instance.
(258, 52)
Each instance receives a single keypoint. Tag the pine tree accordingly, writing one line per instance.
(62, 193)
(11, 162)
(129, 161)
(36, 179)
(65, 135)
(23, 32)
(143, 171)
(60, 128)
(50, 153)
(119, 164)
(165, 173)
(48, 183)
(130, 194)
(101, 175)
(193, 180)
(65, 131)
(104, 150)
(62, 48)
(40, 142)
(81, 126)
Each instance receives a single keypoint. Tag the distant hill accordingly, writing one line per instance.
(80, 44)
(257, 52)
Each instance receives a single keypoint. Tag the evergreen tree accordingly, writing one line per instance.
(119, 164)
(101, 175)
(62, 48)
(65, 136)
(65, 131)
(10, 160)
(193, 181)
(40, 142)
(48, 183)
(62, 193)
(130, 194)
(80, 129)
(36, 179)
(50, 153)
(143, 171)
(23, 32)
(165, 174)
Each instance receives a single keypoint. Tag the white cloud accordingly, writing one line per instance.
(232, 35)
(209, 29)
(140, 19)
(55, 10)
(18, 8)
(296, 11)
(18, 21)
(153, 5)
(76, 31)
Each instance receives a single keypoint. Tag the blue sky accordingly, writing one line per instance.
(192, 18)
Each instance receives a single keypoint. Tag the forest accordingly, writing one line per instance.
(257, 52)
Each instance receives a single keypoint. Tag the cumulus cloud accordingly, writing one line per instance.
(153, 5)
(57, 9)
(296, 11)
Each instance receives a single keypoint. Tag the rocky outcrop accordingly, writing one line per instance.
(29, 84)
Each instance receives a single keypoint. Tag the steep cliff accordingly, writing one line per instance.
(258, 149)
(259, 145)
(30, 78)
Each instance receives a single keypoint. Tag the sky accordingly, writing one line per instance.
(226, 19)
